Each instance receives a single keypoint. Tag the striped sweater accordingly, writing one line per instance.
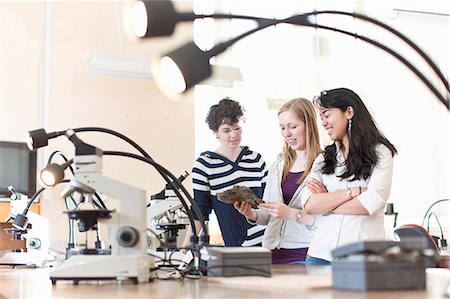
(212, 173)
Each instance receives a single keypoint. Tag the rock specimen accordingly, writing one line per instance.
(239, 193)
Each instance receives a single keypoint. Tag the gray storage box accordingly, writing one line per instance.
(379, 265)
(239, 261)
(364, 275)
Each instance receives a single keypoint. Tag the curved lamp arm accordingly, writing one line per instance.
(433, 89)
(175, 184)
(40, 137)
(202, 70)
(404, 38)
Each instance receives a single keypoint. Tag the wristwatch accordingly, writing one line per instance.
(298, 216)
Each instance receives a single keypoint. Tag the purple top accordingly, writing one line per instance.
(283, 255)
(287, 256)
(290, 185)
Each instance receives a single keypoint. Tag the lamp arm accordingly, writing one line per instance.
(123, 137)
(438, 222)
(260, 21)
(55, 134)
(103, 130)
(35, 195)
(263, 23)
(371, 20)
(188, 16)
(399, 35)
(431, 206)
(399, 57)
(301, 20)
(165, 174)
(69, 162)
(117, 134)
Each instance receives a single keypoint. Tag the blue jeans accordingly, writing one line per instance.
(316, 261)
(298, 263)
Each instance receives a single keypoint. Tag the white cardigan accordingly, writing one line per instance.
(288, 234)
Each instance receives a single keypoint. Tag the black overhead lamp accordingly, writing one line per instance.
(183, 68)
(153, 18)
(150, 18)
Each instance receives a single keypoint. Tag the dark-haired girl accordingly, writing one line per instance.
(356, 170)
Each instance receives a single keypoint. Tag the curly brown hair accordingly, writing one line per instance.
(226, 111)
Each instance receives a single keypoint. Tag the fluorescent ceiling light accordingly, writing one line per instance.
(119, 66)
(421, 16)
(139, 68)
(224, 76)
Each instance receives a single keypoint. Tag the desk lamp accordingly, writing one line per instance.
(52, 174)
(181, 69)
(39, 138)
(441, 242)
(49, 177)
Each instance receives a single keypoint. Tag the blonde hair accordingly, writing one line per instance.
(304, 110)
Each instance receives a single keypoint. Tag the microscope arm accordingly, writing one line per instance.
(158, 208)
(130, 212)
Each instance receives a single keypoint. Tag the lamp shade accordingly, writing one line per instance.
(152, 18)
(182, 69)
(51, 175)
(20, 221)
(37, 138)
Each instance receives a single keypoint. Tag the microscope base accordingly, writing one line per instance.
(103, 267)
(27, 259)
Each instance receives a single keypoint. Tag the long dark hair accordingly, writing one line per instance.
(363, 139)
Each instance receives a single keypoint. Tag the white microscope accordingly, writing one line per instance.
(28, 246)
(127, 224)
(166, 216)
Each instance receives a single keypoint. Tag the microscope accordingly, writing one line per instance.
(126, 224)
(165, 218)
(27, 246)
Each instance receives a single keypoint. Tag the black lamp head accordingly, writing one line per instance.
(181, 69)
(37, 138)
(149, 18)
(20, 221)
(52, 174)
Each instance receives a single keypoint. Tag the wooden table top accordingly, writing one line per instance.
(287, 281)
